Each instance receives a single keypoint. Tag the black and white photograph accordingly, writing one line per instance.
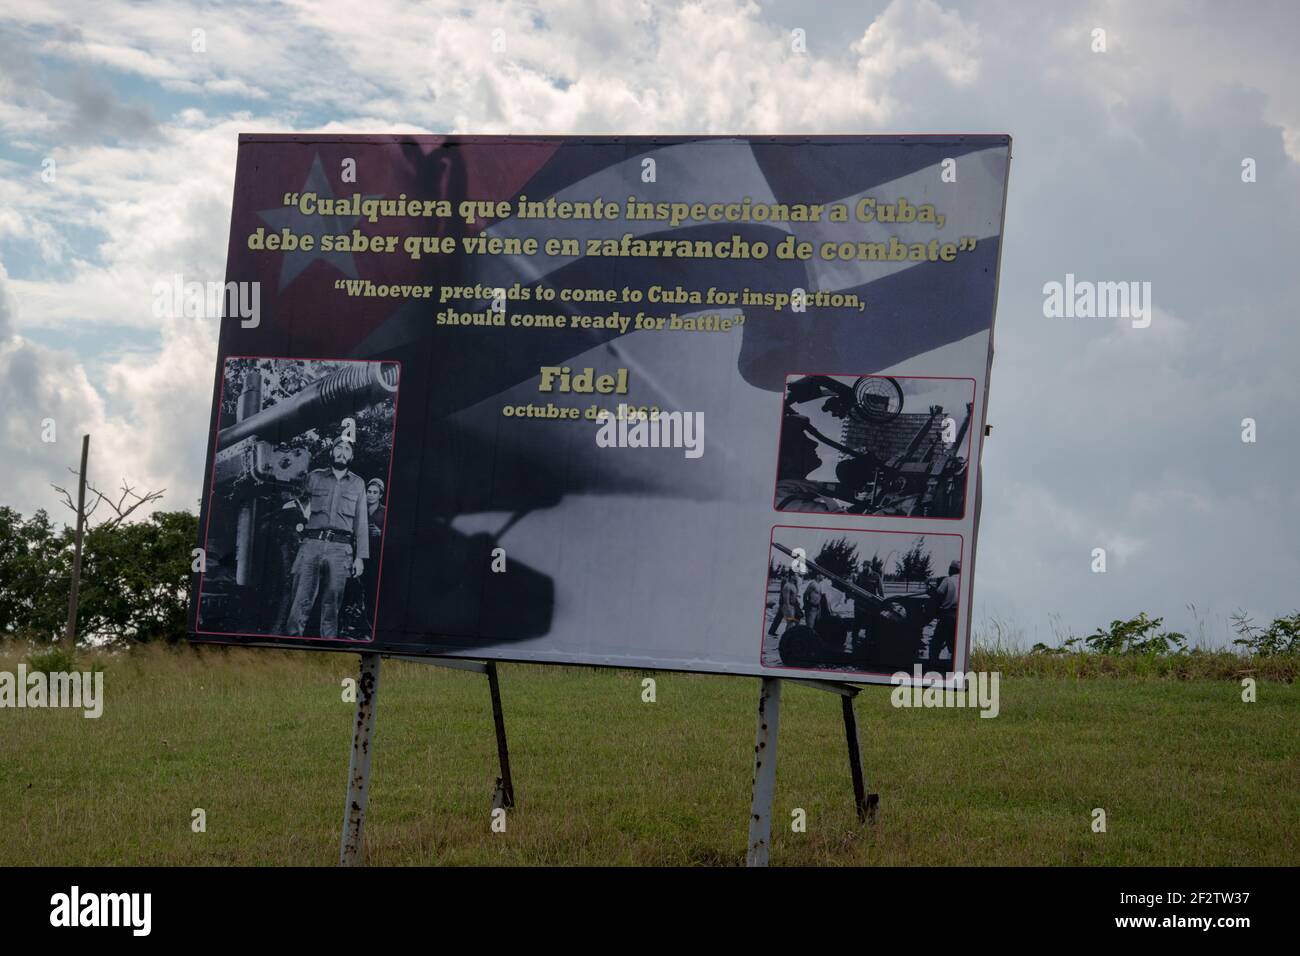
(861, 601)
(875, 445)
(299, 499)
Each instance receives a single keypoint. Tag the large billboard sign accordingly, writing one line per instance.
(690, 403)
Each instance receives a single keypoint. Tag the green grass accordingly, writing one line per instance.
(1187, 772)
(1195, 664)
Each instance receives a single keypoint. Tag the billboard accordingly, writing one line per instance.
(701, 403)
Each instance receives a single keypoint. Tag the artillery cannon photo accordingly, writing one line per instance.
(262, 460)
(894, 625)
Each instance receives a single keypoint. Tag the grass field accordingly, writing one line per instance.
(1186, 772)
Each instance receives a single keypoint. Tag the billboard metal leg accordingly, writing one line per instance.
(503, 794)
(363, 729)
(505, 785)
(765, 740)
(866, 803)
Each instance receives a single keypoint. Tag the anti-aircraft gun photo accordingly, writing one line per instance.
(891, 463)
(926, 479)
(895, 626)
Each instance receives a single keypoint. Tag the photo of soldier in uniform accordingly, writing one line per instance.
(297, 512)
(875, 445)
(862, 601)
(376, 515)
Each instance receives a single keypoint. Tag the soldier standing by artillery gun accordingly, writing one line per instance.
(285, 539)
(945, 624)
(335, 544)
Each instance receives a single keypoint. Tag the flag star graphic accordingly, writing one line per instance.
(293, 263)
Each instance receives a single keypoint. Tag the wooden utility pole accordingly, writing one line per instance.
(70, 635)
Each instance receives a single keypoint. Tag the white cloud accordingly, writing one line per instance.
(715, 65)
(6, 310)
(152, 439)
(920, 33)
(1192, 59)
(156, 211)
(1125, 168)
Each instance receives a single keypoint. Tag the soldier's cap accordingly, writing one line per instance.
(376, 481)
(340, 441)
(954, 567)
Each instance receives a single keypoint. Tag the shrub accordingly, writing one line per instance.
(1280, 637)
(1138, 635)
(58, 659)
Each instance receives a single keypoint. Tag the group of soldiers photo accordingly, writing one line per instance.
(830, 612)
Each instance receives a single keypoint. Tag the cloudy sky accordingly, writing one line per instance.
(1127, 166)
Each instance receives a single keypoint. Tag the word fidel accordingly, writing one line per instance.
(561, 378)
(928, 690)
(103, 909)
(58, 689)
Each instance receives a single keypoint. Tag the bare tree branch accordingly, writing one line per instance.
(122, 506)
(67, 498)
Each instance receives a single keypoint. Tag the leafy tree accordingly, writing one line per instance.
(136, 578)
(914, 564)
(35, 565)
(281, 378)
(839, 557)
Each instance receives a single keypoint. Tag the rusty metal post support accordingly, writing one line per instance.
(505, 785)
(363, 730)
(866, 803)
(765, 740)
